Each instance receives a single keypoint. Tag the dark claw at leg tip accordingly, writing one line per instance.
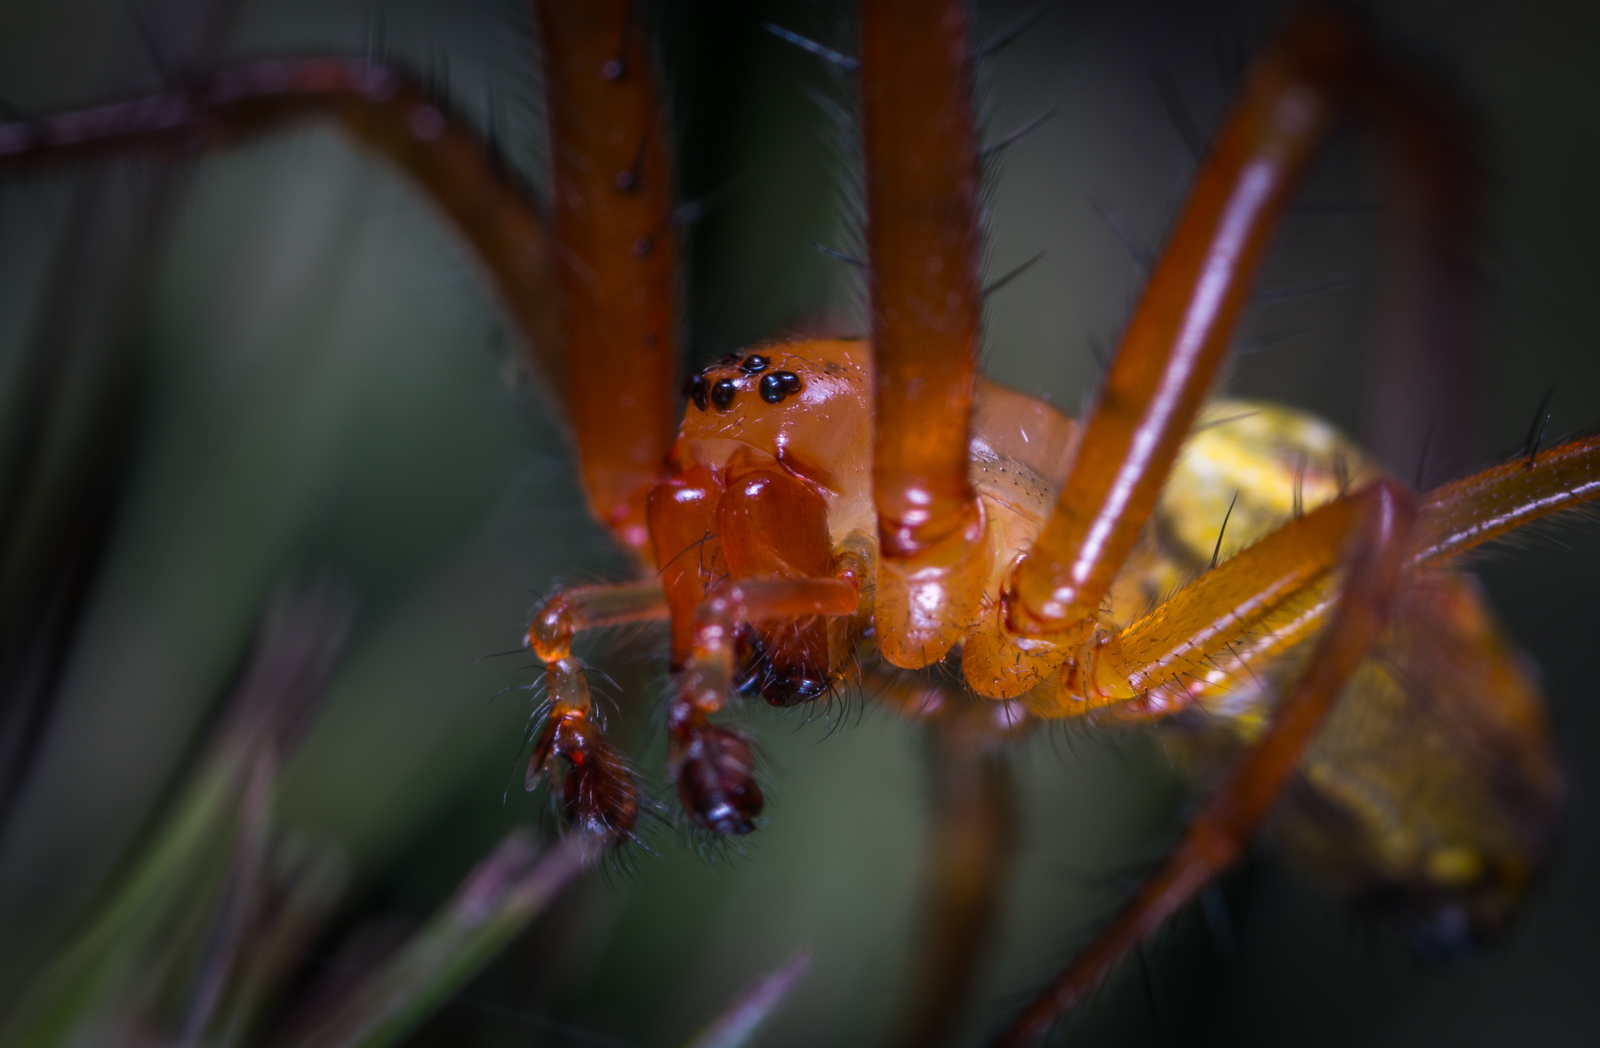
(716, 783)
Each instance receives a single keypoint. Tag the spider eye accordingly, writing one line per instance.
(754, 364)
(698, 390)
(722, 393)
(779, 384)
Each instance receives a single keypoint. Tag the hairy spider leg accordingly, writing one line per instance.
(1466, 513)
(1177, 338)
(601, 322)
(1380, 522)
(381, 108)
(713, 766)
(598, 791)
(922, 182)
(1178, 639)
(1234, 620)
(1257, 605)
(1169, 358)
(611, 215)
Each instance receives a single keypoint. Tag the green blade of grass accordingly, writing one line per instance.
(734, 1027)
(495, 902)
(169, 926)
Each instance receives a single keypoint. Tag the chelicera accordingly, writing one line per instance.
(825, 505)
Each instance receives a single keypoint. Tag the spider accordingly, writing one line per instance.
(823, 493)
(947, 578)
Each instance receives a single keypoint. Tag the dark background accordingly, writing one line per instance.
(295, 367)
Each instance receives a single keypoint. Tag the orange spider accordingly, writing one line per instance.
(823, 498)
(826, 505)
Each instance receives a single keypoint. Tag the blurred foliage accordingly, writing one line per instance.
(220, 373)
(201, 935)
(187, 942)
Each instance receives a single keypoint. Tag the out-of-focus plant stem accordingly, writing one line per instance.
(160, 951)
(496, 901)
(734, 1027)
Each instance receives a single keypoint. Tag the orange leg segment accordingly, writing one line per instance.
(1481, 508)
(1262, 602)
(612, 218)
(1382, 529)
(597, 791)
(1177, 337)
(1177, 645)
(571, 611)
(923, 243)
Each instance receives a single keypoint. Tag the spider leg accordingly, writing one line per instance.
(1286, 578)
(384, 109)
(616, 250)
(1270, 597)
(972, 829)
(1170, 355)
(713, 766)
(572, 611)
(922, 180)
(1466, 513)
(597, 791)
(1178, 336)
(1381, 523)
(601, 322)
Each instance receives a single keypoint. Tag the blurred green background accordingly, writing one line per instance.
(275, 361)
